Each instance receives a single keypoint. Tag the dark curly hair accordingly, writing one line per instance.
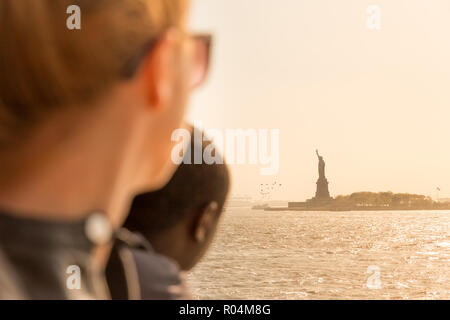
(191, 189)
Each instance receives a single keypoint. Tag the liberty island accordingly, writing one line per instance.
(359, 201)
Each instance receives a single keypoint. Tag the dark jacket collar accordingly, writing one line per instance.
(14, 229)
(40, 255)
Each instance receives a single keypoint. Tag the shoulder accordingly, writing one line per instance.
(160, 278)
(136, 271)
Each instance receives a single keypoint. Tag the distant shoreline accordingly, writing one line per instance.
(343, 209)
(364, 201)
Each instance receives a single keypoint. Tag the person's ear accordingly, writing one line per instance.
(205, 222)
(158, 70)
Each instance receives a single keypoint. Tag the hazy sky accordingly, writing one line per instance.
(375, 103)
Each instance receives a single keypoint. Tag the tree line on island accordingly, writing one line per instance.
(387, 200)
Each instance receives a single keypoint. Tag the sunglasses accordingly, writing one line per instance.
(202, 45)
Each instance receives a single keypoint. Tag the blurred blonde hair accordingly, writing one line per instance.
(45, 67)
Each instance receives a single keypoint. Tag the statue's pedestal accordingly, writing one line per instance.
(320, 201)
(322, 192)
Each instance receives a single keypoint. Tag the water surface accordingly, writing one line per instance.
(326, 255)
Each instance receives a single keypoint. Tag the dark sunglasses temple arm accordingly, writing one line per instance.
(132, 66)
